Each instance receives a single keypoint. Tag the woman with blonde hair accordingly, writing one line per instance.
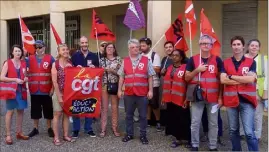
(13, 90)
(58, 78)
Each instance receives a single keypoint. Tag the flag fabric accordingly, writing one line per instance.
(103, 32)
(134, 17)
(82, 91)
(190, 18)
(56, 35)
(28, 40)
(207, 29)
(176, 35)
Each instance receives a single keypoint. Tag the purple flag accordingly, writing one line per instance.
(134, 17)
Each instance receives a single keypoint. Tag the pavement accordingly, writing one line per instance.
(158, 142)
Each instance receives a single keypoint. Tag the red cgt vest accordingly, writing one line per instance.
(40, 77)
(209, 79)
(174, 89)
(230, 92)
(136, 80)
(8, 89)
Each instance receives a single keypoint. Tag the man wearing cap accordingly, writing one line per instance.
(102, 49)
(40, 87)
(145, 47)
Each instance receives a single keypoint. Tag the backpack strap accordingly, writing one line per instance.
(152, 56)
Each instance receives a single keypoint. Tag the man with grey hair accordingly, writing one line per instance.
(137, 73)
(203, 74)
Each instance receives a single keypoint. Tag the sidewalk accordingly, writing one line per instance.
(158, 142)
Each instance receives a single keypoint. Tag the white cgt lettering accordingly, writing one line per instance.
(86, 85)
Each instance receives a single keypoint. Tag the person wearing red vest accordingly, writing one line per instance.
(136, 72)
(174, 95)
(40, 87)
(239, 94)
(208, 67)
(13, 90)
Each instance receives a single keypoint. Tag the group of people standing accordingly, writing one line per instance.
(190, 88)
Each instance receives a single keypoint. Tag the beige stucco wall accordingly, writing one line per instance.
(11, 9)
(263, 25)
(213, 10)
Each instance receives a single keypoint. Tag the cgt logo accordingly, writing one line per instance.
(141, 66)
(45, 65)
(87, 85)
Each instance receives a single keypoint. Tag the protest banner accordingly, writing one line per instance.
(82, 91)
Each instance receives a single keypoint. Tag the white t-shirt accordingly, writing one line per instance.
(156, 63)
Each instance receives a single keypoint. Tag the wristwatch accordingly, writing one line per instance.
(230, 77)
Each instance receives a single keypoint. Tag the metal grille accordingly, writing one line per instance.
(72, 31)
(38, 27)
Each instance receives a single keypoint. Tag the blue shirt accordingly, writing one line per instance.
(236, 65)
(79, 59)
(39, 62)
(190, 65)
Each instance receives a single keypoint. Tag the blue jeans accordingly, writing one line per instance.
(87, 124)
(131, 102)
(247, 112)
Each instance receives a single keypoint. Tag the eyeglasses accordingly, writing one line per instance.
(205, 44)
(110, 47)
(103, 45)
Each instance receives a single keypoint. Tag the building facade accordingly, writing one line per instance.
(72, 19)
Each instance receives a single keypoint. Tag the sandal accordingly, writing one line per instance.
(57, 142)
(116, 133)
(102, 134)
(9, 142)
(175, 144)
(68, 139)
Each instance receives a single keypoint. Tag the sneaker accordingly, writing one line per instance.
(220, 142)
(204, 138)
(213, 149)
(127, 138)
(159, 127)
(33, 133)
(50, 132)
(144, 140)
(194, 149)
(75, 134)
(91, 133)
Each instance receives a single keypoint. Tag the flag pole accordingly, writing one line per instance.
(131, 32)
(177, 42)
(157, 42)
(97, 44)
(190, 39)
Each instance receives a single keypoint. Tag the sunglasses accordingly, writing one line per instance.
(39, 47)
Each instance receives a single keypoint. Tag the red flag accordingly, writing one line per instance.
(56, 35)
(207, 29)
(28, 40)
(103, 33)
(82, 91)
(191, 18)
(176, 35)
